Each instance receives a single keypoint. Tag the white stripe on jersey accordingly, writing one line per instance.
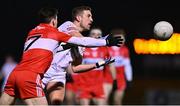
(119, 61)
(38, 86)
(43, 43)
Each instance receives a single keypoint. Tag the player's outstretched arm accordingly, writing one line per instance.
(91, 42)
(87, 67)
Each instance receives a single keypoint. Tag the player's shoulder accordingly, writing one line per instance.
(66, 24)
(42, 28)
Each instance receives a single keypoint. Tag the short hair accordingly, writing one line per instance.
(78, 10)
(47, 14)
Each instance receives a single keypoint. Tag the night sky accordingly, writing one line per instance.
(137, 17)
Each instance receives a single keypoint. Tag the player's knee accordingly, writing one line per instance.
(6, 99)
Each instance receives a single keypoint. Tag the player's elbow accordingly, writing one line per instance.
(74, 69)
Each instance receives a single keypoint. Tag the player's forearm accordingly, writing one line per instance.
(128, 70)
(83, 68)
(87, 41)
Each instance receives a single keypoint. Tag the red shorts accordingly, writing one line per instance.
(24, 85)
(121, 80)
(70, 86)
(91, 85)
(91, 92)
(73, 85)
(107, 75)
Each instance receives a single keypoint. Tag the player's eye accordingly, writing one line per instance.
(89, 15)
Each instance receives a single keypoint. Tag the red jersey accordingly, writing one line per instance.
(119, 53)
(122, 62)
(91, 56)
(40, 44)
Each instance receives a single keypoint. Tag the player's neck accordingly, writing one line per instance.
(51, 24)
(79, 28)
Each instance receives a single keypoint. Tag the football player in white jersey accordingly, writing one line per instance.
(54, 78)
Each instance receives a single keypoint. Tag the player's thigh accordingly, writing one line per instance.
(36, 101)
(118, 97)
(107, 89)
(119, 94)
(55, 90)
(70, 91)
(99, 101)
(6, 99)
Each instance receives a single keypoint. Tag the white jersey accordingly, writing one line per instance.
(62, 59)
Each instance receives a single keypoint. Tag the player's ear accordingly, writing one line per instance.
(78, 18)
(54, 22)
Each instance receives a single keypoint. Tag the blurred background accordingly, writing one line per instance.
(156, 65)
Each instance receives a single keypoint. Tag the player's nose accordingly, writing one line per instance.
(91, 20)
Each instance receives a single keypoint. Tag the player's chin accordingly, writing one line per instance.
(87, 28)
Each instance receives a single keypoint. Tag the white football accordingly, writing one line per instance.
(163, 30)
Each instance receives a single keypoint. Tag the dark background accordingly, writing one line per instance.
(137, 17)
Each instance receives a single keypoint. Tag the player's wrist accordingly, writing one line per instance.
(99, 64)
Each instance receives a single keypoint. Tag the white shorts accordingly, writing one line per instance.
(54, 75)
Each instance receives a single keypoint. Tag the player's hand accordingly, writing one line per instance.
(112, 40)
(104, 62)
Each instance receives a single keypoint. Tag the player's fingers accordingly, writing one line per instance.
(119, 38)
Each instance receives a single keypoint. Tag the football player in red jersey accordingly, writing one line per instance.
(24, 81)
(90, 84)
(122, 66)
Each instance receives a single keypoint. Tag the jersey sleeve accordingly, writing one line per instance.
(67, 27)
(127, 64)
(87, 41)
(63, 37)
